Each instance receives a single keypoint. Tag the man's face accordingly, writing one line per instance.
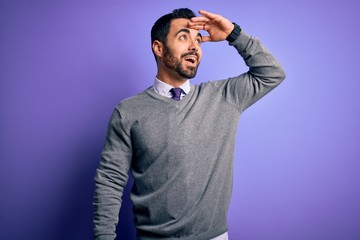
(182, 53)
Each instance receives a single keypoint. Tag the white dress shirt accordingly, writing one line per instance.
(163, 88)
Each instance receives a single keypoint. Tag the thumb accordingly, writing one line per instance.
(205, 39)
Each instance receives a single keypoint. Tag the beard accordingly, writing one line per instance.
(175, 64)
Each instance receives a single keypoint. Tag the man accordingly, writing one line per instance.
(178, 139)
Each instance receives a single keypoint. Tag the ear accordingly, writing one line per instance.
(158, 48)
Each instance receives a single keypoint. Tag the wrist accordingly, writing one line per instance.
(234, 33)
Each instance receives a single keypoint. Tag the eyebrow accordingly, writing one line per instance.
(187, 31)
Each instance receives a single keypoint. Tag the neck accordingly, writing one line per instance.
(175, 81)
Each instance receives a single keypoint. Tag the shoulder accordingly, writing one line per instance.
(141, 106)
(133, 103)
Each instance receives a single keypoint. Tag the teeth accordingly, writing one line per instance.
(191, 58)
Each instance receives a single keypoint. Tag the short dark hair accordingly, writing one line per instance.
(161, 27)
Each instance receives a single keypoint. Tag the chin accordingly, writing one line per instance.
(188, 75)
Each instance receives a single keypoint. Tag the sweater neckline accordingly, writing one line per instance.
(158, 96)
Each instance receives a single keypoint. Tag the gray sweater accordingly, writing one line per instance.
(180, 153)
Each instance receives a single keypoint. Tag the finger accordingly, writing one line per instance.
(208, 15)
(198, 26)
(205, 39)
(196, 23)
(199, 19)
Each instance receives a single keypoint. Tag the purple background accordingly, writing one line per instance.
(64, 65)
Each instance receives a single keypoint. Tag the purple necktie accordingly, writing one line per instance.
(176, 92)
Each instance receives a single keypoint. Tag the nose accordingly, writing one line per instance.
(193, 46)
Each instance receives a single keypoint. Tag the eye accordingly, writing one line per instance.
(183, 37)
(198, 40)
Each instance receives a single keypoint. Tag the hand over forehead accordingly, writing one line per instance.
(216, 25)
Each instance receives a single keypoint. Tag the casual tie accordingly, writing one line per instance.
(176, 92)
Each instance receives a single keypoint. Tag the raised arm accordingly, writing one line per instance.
(265, 72)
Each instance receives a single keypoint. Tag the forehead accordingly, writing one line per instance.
(180, 23)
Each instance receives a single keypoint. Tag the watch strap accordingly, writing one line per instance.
(234, 33)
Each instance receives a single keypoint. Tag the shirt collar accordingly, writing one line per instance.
(164, 89)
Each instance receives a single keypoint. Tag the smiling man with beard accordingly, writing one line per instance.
(186, 65)
(177, 139)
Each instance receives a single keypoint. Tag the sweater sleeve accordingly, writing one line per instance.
(265, 73)
(111, 178)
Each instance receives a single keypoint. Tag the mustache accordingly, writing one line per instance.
(190, 53)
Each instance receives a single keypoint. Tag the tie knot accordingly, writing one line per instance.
(176, 93)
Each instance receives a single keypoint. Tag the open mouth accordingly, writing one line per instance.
(191, 58)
